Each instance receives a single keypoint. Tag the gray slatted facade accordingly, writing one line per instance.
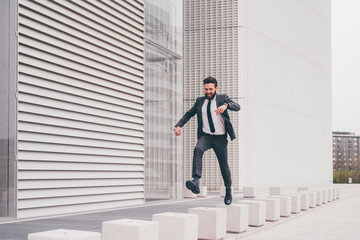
(212, 46)
(80, 106)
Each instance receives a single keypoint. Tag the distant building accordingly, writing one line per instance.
(345, 151)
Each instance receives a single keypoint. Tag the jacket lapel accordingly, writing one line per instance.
(218, 100)
(201, 102)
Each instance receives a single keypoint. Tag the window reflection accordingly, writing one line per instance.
(163, 97)
(3, 175)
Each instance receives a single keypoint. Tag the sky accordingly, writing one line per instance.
(346, 65)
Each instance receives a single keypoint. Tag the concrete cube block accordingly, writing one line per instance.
(223, 191)
(212, 222)
(249, 192)
(180, 226)
(333, 193)
(275, 191)
(64, 234)
(304, 201)
(300, 189)
(272, 209)
(295, 202)
(125, 229)
(203, 191)
(324, 196)
(319, 198)
(337, 193)
(257, 212)
(329, 195)
(237, 217)
(285, 205)
(188, 194)
(312, 199)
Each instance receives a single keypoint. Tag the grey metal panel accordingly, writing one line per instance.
(81, 106)
(80, 207)
(8, 63)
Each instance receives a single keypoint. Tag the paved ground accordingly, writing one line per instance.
(338, 220)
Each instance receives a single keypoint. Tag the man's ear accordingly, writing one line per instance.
(216, 88)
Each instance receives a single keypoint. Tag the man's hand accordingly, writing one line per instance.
(178, 131)
(221, 109)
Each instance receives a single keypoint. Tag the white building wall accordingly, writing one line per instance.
(287, 93)
(281, 76)
(80, 106)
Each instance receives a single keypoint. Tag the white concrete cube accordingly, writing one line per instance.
(275, 191)
(212, 222)
(249, 192)
(324, 196)
(237, 217)
(337, 193)
(223, 191)
(64, 234)
(188, 194)
(304, 201)
(312, 199)
(125, 229)
(203, 191)
(300, 189)
(295, 202)
(272, 209)
(257, 212)
(319, 198)
(333, 193)
(285, 205)
(329, 195)
(180, 226)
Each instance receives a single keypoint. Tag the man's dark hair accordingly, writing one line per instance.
(210, 79)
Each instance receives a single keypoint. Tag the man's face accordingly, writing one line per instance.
(210, 90)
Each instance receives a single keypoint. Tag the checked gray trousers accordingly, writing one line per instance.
(219, 144)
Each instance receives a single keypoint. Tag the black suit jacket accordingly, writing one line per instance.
(220, 100)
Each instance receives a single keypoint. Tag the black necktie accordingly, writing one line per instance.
(212, 128)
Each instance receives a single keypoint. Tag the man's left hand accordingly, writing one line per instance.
(221, 109)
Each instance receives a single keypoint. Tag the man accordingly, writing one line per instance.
(213, 126)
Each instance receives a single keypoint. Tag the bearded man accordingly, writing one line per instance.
(213, 127)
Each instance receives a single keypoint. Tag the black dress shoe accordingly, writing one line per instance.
(228, 196)
(193, 186)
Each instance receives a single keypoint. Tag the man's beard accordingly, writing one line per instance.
(210, 95)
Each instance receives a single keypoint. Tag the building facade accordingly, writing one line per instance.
(274, 59)
(90, 92)
(211, 48)
(346, 151)
(74, 97)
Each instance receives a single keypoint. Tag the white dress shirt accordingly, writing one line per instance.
(218, 121)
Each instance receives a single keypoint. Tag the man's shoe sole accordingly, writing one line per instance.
(228, 203)
(228, 199)
(191, 186)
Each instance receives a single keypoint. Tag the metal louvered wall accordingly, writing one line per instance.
(80, 106)
(211, 47)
